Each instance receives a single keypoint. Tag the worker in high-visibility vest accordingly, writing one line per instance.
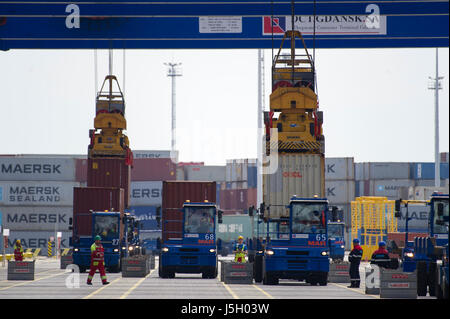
(97, 261)
(240, 250)
(18, 251)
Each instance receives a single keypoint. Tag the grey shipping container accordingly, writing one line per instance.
(418, 215)
(340, 192)
(204, 173)
(237, 169)
(146, 193)
(389, 170)
(37, 193)
(36, 239)
(37, 169)
(36, 218)
(296, 174)
(362, 171)
(389, 188)
(156, 154)
(339, 168)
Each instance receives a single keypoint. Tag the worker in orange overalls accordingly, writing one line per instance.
(18, 251)
(97, 261)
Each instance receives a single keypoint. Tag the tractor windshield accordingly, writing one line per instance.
(308, 218)
(335, 230)
(199, 220)
(440, 223)
(106, 226)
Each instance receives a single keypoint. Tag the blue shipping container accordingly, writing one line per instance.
(252, 176)
(426, 170)
(146, 215)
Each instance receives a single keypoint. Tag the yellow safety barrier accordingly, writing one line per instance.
(65, 251)
(28, 255)
(36, 252)
(9, 257)
(372, 218)
(1, 257)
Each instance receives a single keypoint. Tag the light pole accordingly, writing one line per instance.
(435, 85)
(173, 71)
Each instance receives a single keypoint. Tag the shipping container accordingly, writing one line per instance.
(252, 176)
(389, 170)
(36, 218)
(81, 166)
(340, 192)
(36, 193)
(204, 173)
(237, 169)
(420, 171)
(146, 215)
(183, 164)
(362, 171)
(389, 188)
(418, 215)
(37, 239)
(153, 169)
(429, 182)
(252, 199)
(424, 192)
(156, 154)
(175, 193)
(87, 199)
(339, 168)
(146, 193)
(234, 226)
(37, 169)
(110, 172)
(180, 173)
(297, 174)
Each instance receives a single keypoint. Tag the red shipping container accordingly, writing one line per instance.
(241, 199)
(86, 199)
(81, 170)
(153, 169)
(252, 197)
(174, 194)
(110, 172)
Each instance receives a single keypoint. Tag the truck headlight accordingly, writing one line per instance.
(269, 252)
(324, 253)
(116, 250)
(130, 248)
(342, 246)
(409, 254)
(212, 250)
(165, 249)
(76, 249)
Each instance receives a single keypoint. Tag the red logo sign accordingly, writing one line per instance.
(316, 243)
(278, 24)
(292, 174)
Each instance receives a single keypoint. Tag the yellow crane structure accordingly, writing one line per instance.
(107, 137)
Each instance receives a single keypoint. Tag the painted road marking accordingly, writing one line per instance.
(264, 292)
(100, 289)
(230, 291)
(355, 290)
(136, 285)
(31, 281)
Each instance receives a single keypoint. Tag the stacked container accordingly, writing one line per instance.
(239, 192)
(36, 199)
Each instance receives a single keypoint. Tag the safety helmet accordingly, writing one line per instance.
(240, 237)
(381, 243)
(18, 241)
(97, 238)
(356, 241)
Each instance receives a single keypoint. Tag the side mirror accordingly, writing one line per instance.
(262, 208)
(219, 217)
(219, 244)
(251, 210)
(70, 221)
(334, 216)
(158, 243)
(440, 209)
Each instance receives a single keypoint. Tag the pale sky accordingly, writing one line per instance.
(376, 102)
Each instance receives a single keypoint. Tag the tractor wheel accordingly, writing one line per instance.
(257, 269)
(421, 278)
(432, 279)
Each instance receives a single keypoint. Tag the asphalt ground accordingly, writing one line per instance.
(51, 282)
